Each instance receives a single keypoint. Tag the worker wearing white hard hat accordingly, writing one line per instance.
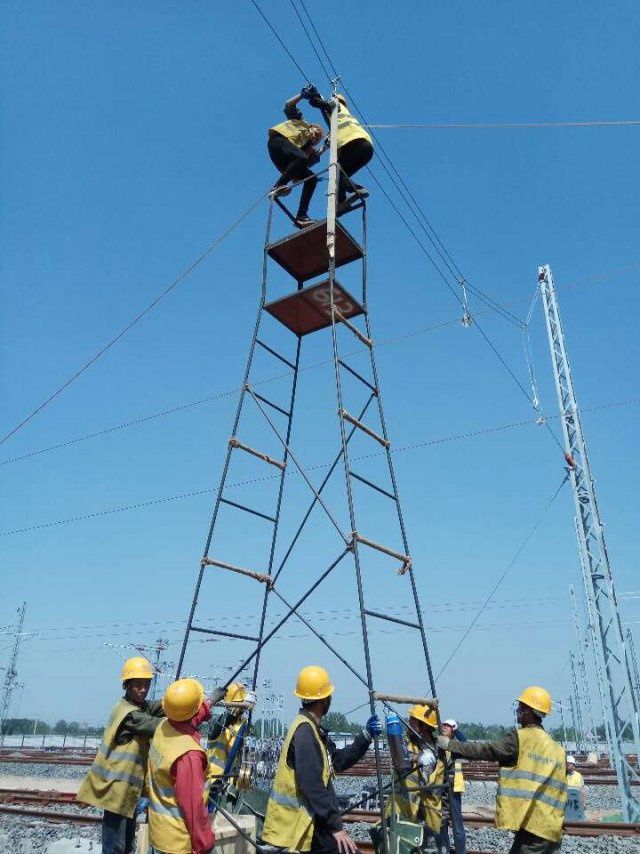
(575, 780)
(452, 817)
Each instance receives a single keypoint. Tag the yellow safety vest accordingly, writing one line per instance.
(297, 131)
(575, 780)
(167, 829)
(289, 822)
(115, 780)
(533, 793)
(218, 750)
(414, 804)
(458, 779)
(349, 128)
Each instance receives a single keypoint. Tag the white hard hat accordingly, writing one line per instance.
(571, 760)
(450, 722)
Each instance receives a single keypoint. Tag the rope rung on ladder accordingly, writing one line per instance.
(404, 559)
(347, 417)
(259, 576)
(236, 443)
(360, 335)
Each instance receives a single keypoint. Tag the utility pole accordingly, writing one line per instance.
(11, 676)
(621, 710)
(576, 708)
(158, 666)
(591, 737)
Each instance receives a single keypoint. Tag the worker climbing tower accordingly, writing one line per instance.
(364, 544)
(614, 669)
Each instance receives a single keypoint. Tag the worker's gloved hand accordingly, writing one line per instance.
(217, 694)
(309, 92)
(443, 742)
(373, 726)
(250, 698)
(427, 761)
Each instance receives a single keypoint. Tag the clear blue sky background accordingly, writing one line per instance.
(131, 137)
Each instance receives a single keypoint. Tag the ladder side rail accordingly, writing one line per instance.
(600, 587)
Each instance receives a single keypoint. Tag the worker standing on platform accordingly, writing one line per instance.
(355, 148)
(291, 149)
(178, 790)
(116, 778)
(532, 787)
(418, 795)
(227, 732)
(303, 812)
(452, 815)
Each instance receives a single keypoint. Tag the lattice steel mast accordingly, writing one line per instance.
(634, 663)
(590, 735)
(619, 700)
(11, 676)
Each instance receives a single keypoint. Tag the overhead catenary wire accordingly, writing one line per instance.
(145, 311)
(208, 491)
(507, 125)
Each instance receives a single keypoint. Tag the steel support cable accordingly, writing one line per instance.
(174, 284)
(482, 125)
(282, 44)
(313, 47)
(196, 493)
(510, 566)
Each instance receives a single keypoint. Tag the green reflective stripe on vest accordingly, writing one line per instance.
(516, 774)
(286, 801)
(117, 755)
(532, 796)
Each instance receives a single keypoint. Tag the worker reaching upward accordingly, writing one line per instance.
(116, 777)
(178, 789)
(532, 787)
(355, 148)
(291, 146)
(226, 733)
(302, 812)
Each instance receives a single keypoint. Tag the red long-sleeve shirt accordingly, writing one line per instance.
(188, 778)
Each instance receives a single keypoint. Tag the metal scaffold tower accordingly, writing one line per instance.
(621, 713)
(634, 664)
(11, 675)
(368, 535)
(576, 706)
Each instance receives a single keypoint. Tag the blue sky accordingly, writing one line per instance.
(131, 138)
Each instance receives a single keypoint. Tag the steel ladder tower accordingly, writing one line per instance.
(11, 675)
(621, 714)
(634, 663)
(591, 739)
(576, 705)
(372, 549)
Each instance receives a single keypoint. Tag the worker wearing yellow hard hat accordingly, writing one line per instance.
(227, 733)
(417, 795)
(291, 146)
(179, 822)
(303, 812)
(532, 787)
(116, 778)
(355, 148)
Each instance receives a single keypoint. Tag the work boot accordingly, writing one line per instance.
(303, 221)
(281, 190)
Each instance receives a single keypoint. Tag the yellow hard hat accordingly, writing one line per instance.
(182, 699)
(536, 698)
(235, 693)
(425, 714)
(313, 683)
(136, 668)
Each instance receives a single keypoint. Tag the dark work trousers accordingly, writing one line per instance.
(322, 841)
(526, 843)
(455, 820)
(118, 833)
(293, 162)
(352, 156)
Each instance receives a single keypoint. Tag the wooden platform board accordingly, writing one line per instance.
(309, 310)
(304, 254)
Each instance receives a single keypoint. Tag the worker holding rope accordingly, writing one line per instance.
(303, 812)
(291, 146)
(532, 787)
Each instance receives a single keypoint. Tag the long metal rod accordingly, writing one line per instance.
(620, 702)
(227, 461)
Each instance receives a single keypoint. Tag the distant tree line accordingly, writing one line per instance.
(33, 726)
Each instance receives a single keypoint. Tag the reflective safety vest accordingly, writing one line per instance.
(349, 128)
(167, 829)
(219, 750)
(297, 131)
(532, 794)
(575, 780)
(289, 822)
(116, 777)
(412, 802)
(458, 779)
